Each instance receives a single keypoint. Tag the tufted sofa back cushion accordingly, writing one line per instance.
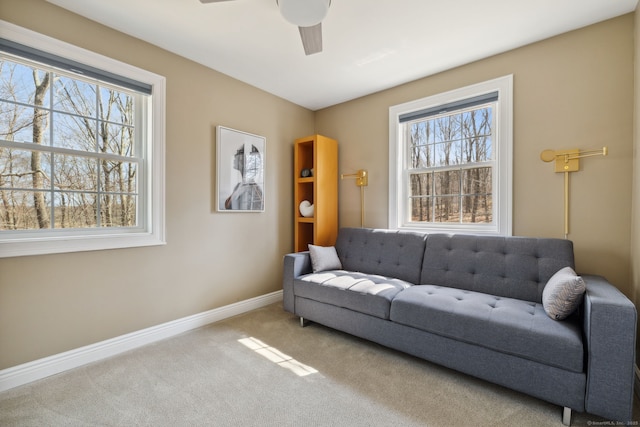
(515, 267)
(383, 252)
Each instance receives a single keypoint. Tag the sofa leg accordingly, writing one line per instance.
(566, 416)
(303, 322)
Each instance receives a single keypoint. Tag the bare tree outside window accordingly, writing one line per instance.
(449, 170)
(67, 151)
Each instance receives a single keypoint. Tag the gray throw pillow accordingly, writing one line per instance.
(324, 258)
(563, 293)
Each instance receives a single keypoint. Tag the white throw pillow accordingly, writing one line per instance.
(324, 258)
(563, 293)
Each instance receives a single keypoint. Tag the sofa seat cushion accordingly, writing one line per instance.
(366, 293)
(512, 326)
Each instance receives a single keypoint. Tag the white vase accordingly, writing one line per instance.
(306, 209)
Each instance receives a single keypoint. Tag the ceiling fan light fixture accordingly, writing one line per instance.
(304, 13)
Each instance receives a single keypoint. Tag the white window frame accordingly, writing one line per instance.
(502, 173)
(152, 217)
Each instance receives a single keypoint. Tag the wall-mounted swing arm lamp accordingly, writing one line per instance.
(568, 161)
(362, 180)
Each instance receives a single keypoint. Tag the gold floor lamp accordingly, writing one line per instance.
(567, 161)
(362, 180)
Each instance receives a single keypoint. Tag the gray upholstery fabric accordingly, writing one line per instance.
(295, 265)
(324, 258)
(365, 293)
(514, 267)
(610, 321)
(558, 386)
(383, 252)
(511, 326)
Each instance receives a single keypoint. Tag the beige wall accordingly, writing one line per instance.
(50, 304)
(570, 91)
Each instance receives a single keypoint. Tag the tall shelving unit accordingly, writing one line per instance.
(319, 154)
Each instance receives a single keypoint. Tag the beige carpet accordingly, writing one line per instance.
(263, 369)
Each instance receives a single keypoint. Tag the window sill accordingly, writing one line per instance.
(489, 230)
(66, 244)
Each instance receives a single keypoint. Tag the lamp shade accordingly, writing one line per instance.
(304, 13)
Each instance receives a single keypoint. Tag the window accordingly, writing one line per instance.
(81, 149)
(450, 161)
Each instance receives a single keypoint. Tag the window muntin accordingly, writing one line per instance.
(130, 163)
(450, 159)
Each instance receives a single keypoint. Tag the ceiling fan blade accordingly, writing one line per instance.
(311, 38)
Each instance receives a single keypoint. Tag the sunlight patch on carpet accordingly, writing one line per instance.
(277, 357)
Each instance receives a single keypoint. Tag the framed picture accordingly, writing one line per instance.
(240, 171)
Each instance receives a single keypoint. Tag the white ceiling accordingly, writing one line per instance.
(369, 45)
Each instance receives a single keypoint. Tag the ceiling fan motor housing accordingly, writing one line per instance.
(304, 13)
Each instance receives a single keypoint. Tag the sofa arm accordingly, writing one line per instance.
(610, 333)
(295, 265)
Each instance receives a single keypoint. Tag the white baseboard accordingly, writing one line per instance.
(42, 368)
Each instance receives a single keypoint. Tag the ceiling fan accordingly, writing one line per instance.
(307, 15)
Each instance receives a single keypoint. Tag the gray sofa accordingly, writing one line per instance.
(474, 304)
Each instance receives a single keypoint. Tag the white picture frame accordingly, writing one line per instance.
(240, 175)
